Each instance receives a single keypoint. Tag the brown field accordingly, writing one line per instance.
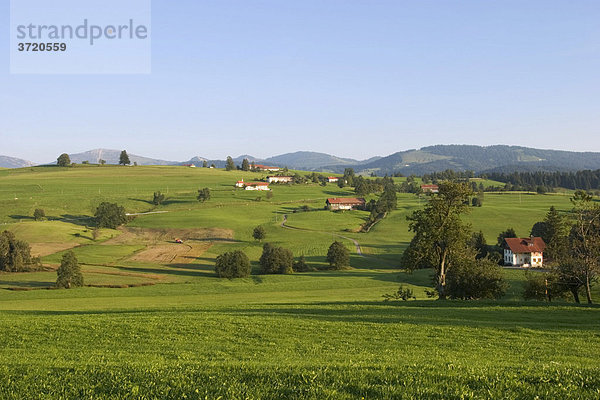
(45, 249)
(172, 253)
(132, 235)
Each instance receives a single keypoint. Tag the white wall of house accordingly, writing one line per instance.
(535, 260)
(259, 187)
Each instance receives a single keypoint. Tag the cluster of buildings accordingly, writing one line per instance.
(518, 252)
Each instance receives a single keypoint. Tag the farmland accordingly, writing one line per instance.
(155, 321)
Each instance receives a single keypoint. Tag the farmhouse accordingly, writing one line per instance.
(524, 252)
(261, 167)
(350, 203)
(280, 179)
(257, 186)
(430, 188)
(332, 179)
(240, 184)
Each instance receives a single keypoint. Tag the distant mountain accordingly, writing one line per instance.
(308, 160)
(476, 158)
(11, 162)
(112, 157)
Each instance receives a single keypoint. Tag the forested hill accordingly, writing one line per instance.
(476, 158)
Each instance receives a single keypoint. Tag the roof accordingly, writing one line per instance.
(264, 166)
(525, 245)
(277, 176)
(429, 187)
(347, 200)
(333, 177)
(257, 184)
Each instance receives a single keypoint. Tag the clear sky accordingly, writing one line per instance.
(345, 77)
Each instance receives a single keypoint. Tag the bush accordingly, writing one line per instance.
(542, 286)
(69, 272)
(158, 198)
(234, 264)
(39, 214)
(301, 265)
(276, 260)
(400, 294)
(110, 215)
(338, 256)
(470, 279)
(203, 194)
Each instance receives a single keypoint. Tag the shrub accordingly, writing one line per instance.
(401, 294)
(301, 265)
(276, 260)
(203, 194)
(338, 256)
(234, 264)
(110, 215)
(470, 279)
(542, 286)
(158, 198)
(39, 214)
(69, 273)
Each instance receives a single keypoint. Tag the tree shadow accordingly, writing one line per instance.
(80, 220)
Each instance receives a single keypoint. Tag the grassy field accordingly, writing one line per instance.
(155, 322)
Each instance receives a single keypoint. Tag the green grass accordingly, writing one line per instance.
(318, 335)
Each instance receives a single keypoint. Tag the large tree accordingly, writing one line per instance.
(259, 233)
(554, 230)
(124, 158)
(245, 165)
(338, 256)
(229, 165)
(110, 215)
(584, 241)
(440, 236)
(15, 255)
(69, 273)
(233, 264)
(276, 260)
(63, 160)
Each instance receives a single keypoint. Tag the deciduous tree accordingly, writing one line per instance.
(338, 256)
(124, 158)
(69, 273)
(63, 160)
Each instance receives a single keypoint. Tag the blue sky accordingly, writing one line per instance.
(350, 78)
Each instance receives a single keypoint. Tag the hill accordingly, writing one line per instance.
(478, 159)
(309, 160)
(12, 162)
(112, 157)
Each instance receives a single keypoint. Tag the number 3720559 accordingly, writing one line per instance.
(42, 46)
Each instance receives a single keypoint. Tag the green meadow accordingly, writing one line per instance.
(155, 322)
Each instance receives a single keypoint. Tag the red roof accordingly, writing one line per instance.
(526, 245)
(264, 166)
(347, 201)
(429, 187)
(257, 184)
(333, 177)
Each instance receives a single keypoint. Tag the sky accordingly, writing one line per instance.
(350, 78)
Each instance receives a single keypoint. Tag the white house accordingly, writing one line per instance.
(280, 179)
(240, 184)
(257, 186)
(524, 252)
(430, 188)
(332, 179)
(345, 203)
(261, 167)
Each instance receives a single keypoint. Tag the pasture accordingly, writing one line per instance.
(155, 322)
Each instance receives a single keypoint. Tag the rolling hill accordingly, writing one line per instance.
(476, 158)
(12, 162)
(112, 157)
